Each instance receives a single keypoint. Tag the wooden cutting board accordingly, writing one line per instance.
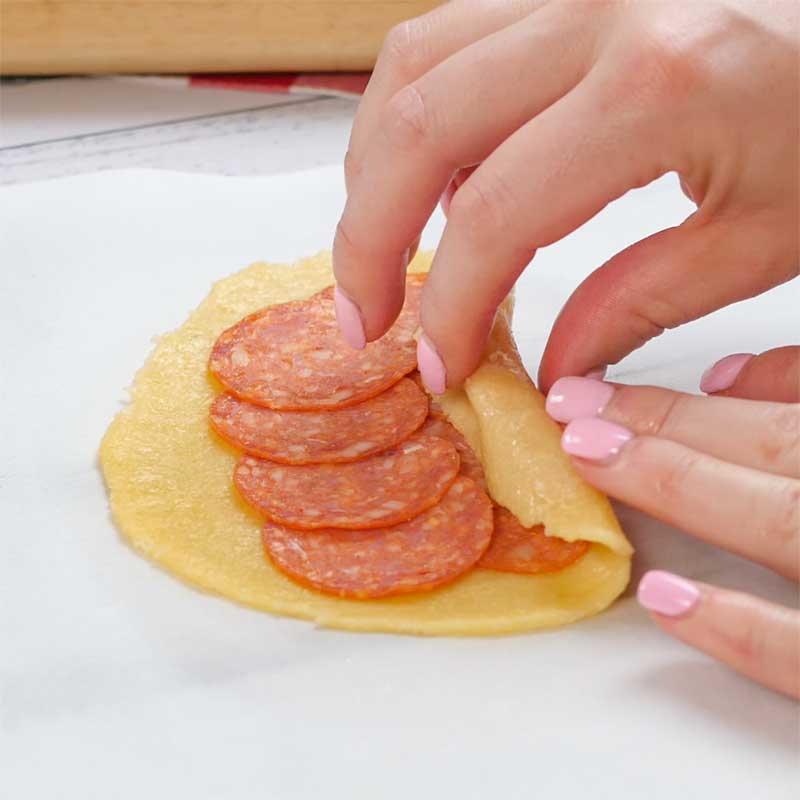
(40, 37)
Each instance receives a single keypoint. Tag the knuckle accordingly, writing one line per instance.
(402, 48)
(660, 64)
(784, 530)
(781, 443)
(405, 121)
(344, 243)
(482, 208)
(746, 644)
(671, 477)
(669, 414)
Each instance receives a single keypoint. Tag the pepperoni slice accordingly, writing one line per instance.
(531, 551)
(471, 466)
(425, 552)
(434, 405)
(417, 378)
(377, 491)
(314, 437)
(291, 357)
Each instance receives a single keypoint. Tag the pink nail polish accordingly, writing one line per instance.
(594, 439)
(722, 375)
(573, 398)
(667, 594)
(349, 319)
(431, 366)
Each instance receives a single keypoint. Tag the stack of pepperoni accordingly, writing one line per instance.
(366, 490)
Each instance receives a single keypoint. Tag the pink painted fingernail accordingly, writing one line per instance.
(722, 375)
(667, 594)
(349, 319)
(431, 366)
(594, 439)
(573, 398)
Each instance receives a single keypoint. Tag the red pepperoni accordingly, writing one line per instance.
(291, 357)
(471, 466)
(314, 437)
(425, 552)
(417, 378)
(531, 551)
(414, 283)
(434, 405)
(377, 491)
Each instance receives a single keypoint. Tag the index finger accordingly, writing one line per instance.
(757, 516)
(426, 132)
(414, 47)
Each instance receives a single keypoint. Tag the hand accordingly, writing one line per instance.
(563, 107)
(721, 468)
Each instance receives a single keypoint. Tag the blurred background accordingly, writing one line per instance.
(219, 86)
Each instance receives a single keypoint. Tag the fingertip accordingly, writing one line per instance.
(572, 398)
(596, 440)
(773, 376)
(431, 366)
(348, 315)
(370, 288)
(453, 339)
(723, 374)
(667, 594)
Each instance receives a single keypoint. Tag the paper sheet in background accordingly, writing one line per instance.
(119, 681)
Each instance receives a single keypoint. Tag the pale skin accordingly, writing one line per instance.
(526, 118)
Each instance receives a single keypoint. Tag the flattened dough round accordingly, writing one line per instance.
(172, 496)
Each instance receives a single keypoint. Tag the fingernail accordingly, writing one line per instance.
(667, 594)
(595, 439)
(349, 319)
(573, 398)
(596, 374)
(431, 366)
(722, 375)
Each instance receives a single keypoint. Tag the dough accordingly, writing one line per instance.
(171, 491)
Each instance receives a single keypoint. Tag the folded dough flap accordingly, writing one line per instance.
(172, 496)
(502, 415)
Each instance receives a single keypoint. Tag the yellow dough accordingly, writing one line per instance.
(171, 494)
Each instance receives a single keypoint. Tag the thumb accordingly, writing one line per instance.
(673, 277)
(773, 375)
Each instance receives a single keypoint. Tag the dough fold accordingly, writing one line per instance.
(171, 493)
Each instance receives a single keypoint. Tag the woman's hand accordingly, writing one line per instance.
(564, 106)
(721, 468)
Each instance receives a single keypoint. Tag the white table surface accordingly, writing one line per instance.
(120, 681)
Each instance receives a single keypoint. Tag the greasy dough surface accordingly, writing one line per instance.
(172, 495)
